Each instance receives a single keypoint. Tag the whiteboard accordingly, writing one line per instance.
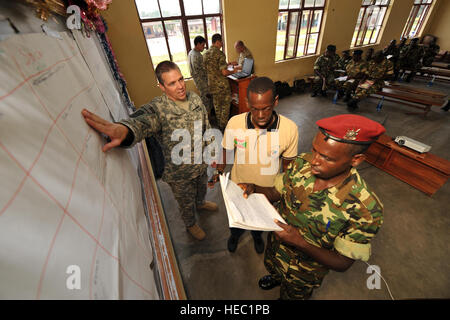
(72, 221)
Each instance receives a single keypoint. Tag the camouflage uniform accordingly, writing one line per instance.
(160, 118)
(393, 51)
(219, 86)
(430, 52)
(410, 56)
(343, 62)
(353, 69)
(325, 66)
(377, 72)
(244, 54)
(343, 218)
(198, 73)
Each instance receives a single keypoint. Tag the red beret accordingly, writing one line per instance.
(350, 128)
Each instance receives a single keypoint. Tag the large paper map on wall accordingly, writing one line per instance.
(72, 221)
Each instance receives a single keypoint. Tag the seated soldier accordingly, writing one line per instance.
(410, 57)
(369, 54)
(324, 71)
(356, 71)
(378, 70)
(344, 60)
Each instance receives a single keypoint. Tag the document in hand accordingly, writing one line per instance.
(253, 213)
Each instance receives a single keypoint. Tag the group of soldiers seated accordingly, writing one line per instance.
(355, 77)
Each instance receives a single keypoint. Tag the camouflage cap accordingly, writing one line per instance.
(350, 128)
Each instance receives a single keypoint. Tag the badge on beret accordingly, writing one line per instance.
(351, 134)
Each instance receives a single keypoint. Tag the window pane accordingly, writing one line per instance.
(290, 49)
(312, 43)
(384, 2)
(177, 45)
(294, 4)
(303, 33)
(281, 35)
(195, 28)
(192, 7)
(293, 23)
(417, 1)
(366, 2)
(381, 16)
(148, 9)
(213, 26)
(315, 25)
(211, 6)
(283, 4)
(320, 3)
(170, 8)
(156, 42)
(309, 3)
(375, 34)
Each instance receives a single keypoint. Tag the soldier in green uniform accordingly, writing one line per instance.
(344, 60)
(410, 58)
(356, 70)
(392, 53)
(378, 70)
(430, 52)
(369, 54)
(198, 72)
(219, 87)
(324, 71)
(175, 109)
(331, 213)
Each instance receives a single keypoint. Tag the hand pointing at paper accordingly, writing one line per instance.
(116, 132)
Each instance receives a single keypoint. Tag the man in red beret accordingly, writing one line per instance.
(332, 214)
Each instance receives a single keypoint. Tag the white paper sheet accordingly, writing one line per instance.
(253, 213)
(69, 214)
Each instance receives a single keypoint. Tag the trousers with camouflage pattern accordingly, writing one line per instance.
(189, 194)
(297, 272)
(221, 101)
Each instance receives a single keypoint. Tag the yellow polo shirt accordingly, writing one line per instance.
(258, 152)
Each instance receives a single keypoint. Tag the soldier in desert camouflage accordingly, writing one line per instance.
(175, 109)
(332, 214)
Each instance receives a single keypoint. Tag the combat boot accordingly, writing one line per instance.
(196, 232)
(347, 97)
(314, 94)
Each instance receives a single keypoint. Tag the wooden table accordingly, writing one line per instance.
(239, 92)
(423, 171)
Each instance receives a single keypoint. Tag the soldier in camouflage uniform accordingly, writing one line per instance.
(430, 52)
(198, 71)
(356, 70)
(331, 213)
(324, 71)
(393, 51)
(369, 54)
(410, 58)
(216, 68)
(378, 70)
(344, 60)
(175, 109)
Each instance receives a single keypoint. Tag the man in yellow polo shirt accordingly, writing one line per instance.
(260, 139)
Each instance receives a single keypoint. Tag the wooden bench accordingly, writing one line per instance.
(431, 93)
(413, 97)
(439, 73)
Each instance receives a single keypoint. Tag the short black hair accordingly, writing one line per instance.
(163, 67)
(331, 48)
(216, 37)
(355, 149)
(262, 85)
(199, 39)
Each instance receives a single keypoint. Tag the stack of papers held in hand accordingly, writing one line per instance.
(253, 213)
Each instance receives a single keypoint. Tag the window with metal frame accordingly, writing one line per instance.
(298, 28)
(170, 27)
(370, 21)
(419, 12)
